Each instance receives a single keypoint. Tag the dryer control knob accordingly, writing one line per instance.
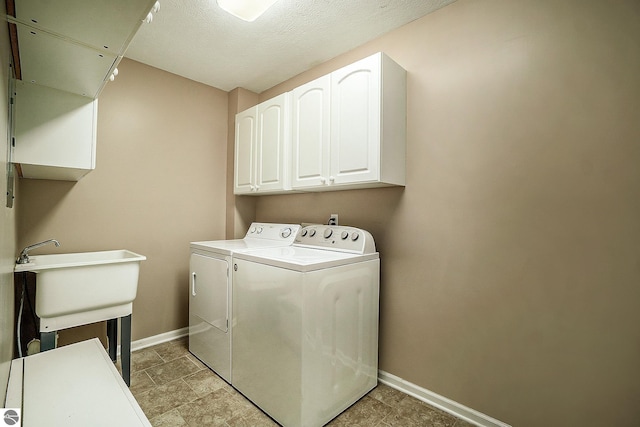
(327, 233)
(303, 232)
(259, 230)
(355, 236)
(344, 235)
(312, 232)
(253, 230)
(285, 233)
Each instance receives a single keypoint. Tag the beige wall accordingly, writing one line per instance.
(511, 260)
(7, 224)
(159, 184)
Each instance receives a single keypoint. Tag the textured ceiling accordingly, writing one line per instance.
(198, 40)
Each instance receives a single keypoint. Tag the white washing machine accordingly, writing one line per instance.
(305, 319)
(210, 293)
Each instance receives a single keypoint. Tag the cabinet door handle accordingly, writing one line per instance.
(323, 179)
(193, 284)
(331, 179)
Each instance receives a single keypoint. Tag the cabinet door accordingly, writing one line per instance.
(355, 122)
(209, 290)
(311, 133)
(273, 144)
(245, 152)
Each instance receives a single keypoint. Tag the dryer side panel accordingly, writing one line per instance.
(340, 336)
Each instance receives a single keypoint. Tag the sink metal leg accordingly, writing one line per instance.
(47, 340)
(112, 338)
(125, 348)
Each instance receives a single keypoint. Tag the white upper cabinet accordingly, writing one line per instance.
(262, 148)
(363, 107)
(355, 122)
(245, 157)
(311, 133)
(55, 133)
(348, 130)
(67, 50)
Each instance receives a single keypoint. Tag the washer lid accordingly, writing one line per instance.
(228, 247)
(259, 235)
(303, 259)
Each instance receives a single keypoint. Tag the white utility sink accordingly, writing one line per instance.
(78, 288)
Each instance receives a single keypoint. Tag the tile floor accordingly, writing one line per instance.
(175, 389)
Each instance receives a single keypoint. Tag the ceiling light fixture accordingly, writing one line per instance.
(247, 10)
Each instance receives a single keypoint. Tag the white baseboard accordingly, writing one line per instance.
(158, 339)
(440, 402)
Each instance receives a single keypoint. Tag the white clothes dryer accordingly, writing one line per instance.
(210, 293)
(305, 339)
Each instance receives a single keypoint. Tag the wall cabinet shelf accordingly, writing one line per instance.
(73, 45)
(348, 128)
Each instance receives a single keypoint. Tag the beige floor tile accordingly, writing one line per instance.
(253, 417)
(387, 395)
(172, 350)
(197, 361)
(168, 419)
(169, 371)
(141, 382)
(175, 389)
(411, 412)
(166, 397)
(143, 359)
(367, 412)
(213, 409)
(204, 382)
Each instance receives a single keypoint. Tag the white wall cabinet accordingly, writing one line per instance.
(68, 49)
(262, 148)
(368, 124)
(311, 134)
(348, 129)
(55, 133)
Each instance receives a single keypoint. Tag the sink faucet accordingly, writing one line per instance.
(24, 257)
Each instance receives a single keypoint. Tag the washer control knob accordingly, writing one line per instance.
(312, 232)
(354, 236)
(252, 230)
(285, 233)
(327, 233)
(344, 235)
(303, 232)
(259, 230)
